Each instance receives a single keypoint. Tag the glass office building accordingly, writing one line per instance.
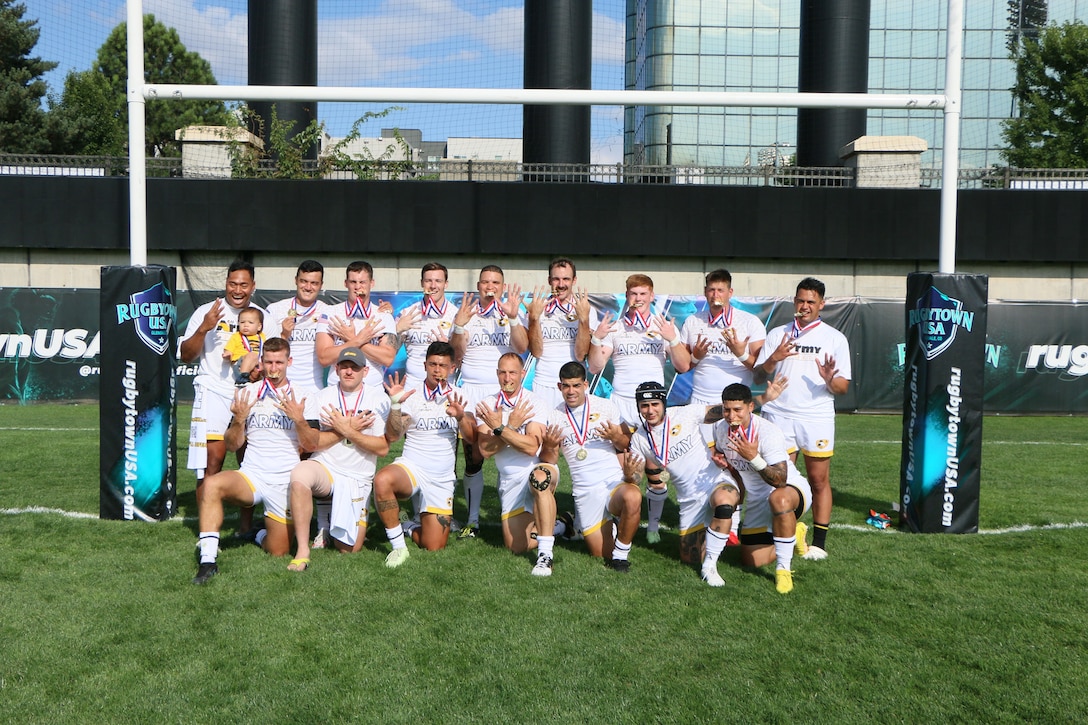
(752, 45)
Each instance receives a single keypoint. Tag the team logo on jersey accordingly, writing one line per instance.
(822, 444)
(651, 334)
(594, 417)
(937, 317)
(153, 313)
(675, 430)
(502, 322)
(445, 324)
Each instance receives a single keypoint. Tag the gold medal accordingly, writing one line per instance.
(292, 313)
(582, 454)
(665, 477)
(572, 317)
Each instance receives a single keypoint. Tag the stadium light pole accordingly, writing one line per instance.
(950, 169)
(137, 165)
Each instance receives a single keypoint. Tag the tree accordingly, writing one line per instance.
(166, 60)
(85, 120)
(1051, 93)
(1026, 17)
(21, 86)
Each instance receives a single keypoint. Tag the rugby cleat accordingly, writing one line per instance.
(783, 581)
(205, 573)
(733, 540)
(568, 520)
(396, 557)
(815, 553)
(621, 565)
(543, 566)
(800, 547)
(653, 537)
(321, 540)
(711, 575)
(469, 531)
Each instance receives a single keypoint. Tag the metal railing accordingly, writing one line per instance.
(510, 171)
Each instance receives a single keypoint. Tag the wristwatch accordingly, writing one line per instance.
(498, 431)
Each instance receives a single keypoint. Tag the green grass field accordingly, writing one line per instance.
(100, 622)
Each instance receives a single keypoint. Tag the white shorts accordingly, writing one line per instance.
(813, 437)
(591, 505)
(758, 515)
(435, 492)
(695, 513)
(214, 408)
(269, 489)
(549, 394)
(628, 410)
(350, 494)
(514, 493)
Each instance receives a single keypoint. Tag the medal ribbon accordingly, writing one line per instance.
(268, 388)
(438, 392)
(637, 321)
(796, 331)
(489, 310)
(344, 402)
(249, 345)
(581, 431)
(662, 453)
(430, 309)
(503, 400)
(304, 313)
(356, 311)
(723, 319)
(554, 304)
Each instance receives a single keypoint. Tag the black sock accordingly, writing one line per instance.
(819, 534)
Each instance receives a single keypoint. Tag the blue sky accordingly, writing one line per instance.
(430, 43)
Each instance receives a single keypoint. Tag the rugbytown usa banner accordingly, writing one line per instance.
(1036, 353)
(941, 460)
(137, 419)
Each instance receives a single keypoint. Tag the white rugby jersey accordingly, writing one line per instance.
(345, 457)
(430, 438)
(510, 461)
(487, 338)
(306, 373)
(359, 316)
(213, 372)
(638, 354)
(678, 446)
(271, 438)
(558, 330)
(417, 338)
(579, 425)
(807, 393)
(720, 367)
(772, 448)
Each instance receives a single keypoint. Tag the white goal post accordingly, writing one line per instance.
(949, 102)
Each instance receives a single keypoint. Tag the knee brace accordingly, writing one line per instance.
(724, 511)
(543, 476)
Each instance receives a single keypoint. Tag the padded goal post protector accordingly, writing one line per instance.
(942, 402)
(137, 415)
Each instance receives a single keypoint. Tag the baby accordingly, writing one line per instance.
(243, 349)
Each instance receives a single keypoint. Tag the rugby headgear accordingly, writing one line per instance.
(651, 390)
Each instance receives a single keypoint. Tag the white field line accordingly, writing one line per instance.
(842, 527)
(51, 430)
(985, 443)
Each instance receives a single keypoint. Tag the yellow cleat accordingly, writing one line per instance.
(783, 581)
(800, 547)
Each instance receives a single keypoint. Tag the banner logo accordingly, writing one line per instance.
(153, 313)
(937, 317)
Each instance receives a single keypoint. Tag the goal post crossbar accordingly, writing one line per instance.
(544, 96)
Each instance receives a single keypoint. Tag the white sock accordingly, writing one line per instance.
(715, 545)
(259, 538)
(735, 527)
(655, 503)
(620, 551)
(544, 544)
(209, 546)
(408, 527)
(559, 530)
(324, 512)
(783, 551)
(474, 491)
(396, 537)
